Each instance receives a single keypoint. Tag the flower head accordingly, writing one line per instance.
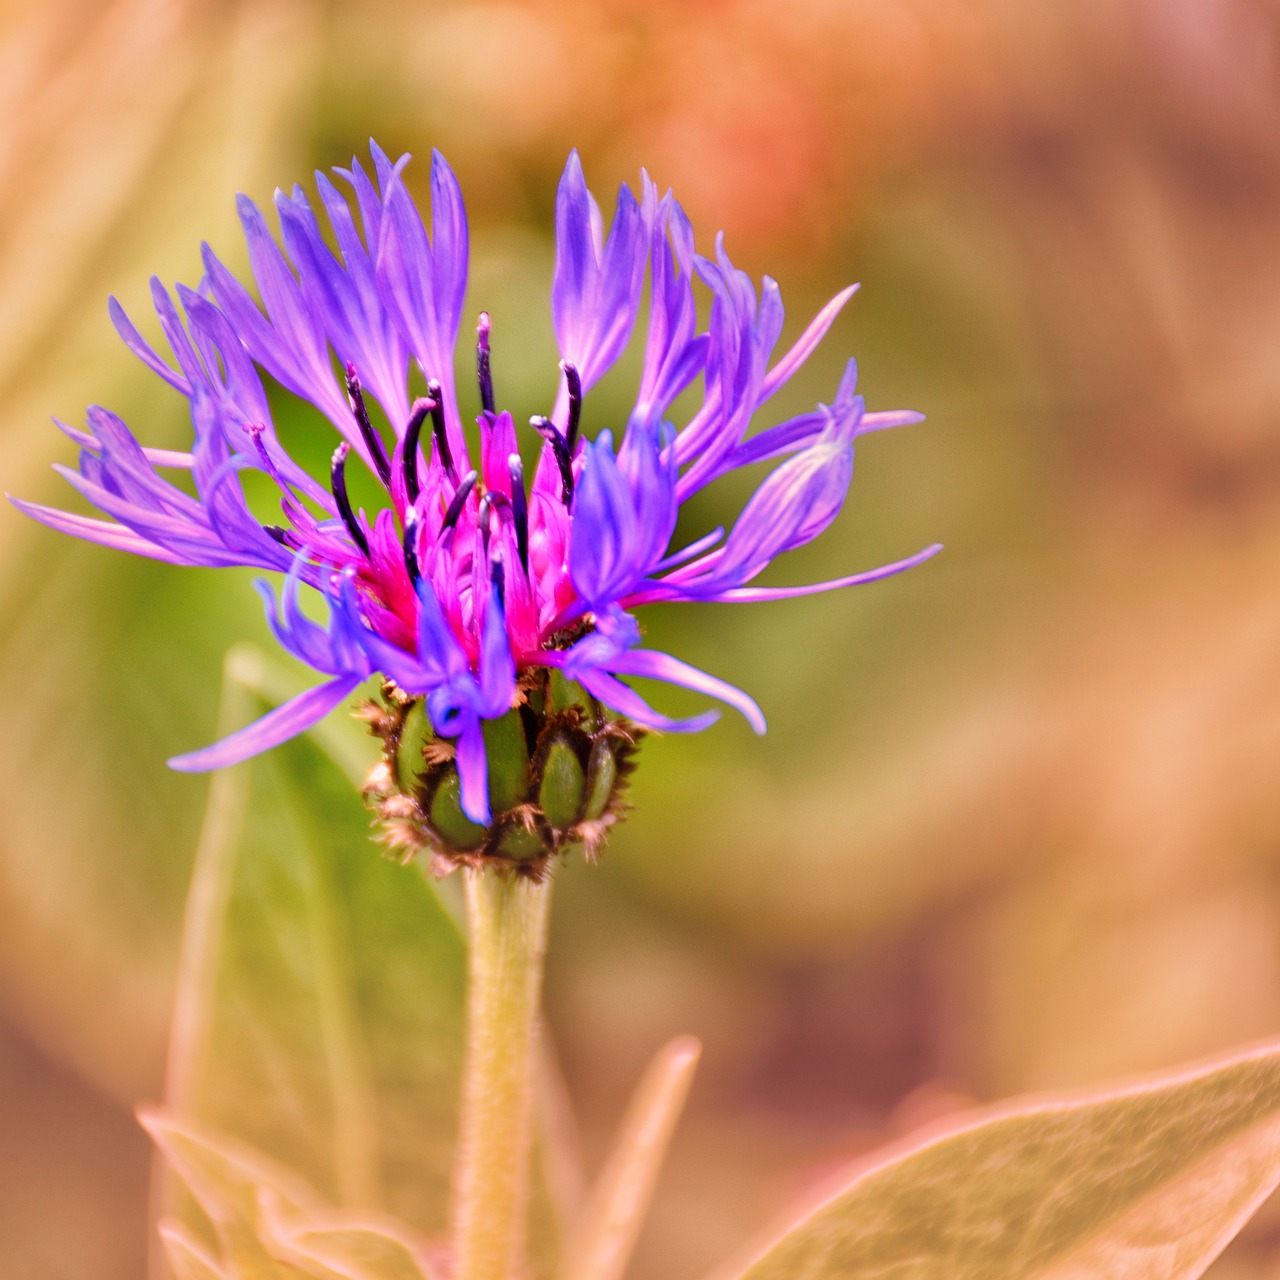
(472, 581)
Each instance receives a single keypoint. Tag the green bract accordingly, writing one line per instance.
(557, 765)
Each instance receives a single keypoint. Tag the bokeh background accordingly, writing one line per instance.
(1016, 824)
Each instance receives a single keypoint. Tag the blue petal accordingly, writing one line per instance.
(613, 693)
(277, 726)
(662, 666)
(796, 502)
(804, 346)
(473, 772)
(296, 633)
(497, 683)
(142, 349)
(754, 595)
(450, 244)
(290, 315)
(576, 265)
(603, 534)
(419, 283)
(438, 648)
(595, 290)
(105, 533)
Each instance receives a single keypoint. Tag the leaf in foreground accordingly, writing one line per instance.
(1146, 1183)
(268, 1224)
(320, 1002)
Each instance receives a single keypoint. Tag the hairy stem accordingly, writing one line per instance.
(508, 933)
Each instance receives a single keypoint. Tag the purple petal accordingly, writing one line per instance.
(450, 246)
(296, 633)
(603, 536)
(473, 772)
(438, 648)
(277, 726)
(795, 433)
(798, 500)
(651, 476)
(369, 201)
(785, 369)
(193, 542)
(576, 263)
(887, 419)
(176, 334)
(290, 315)
(242, 381)
(142, 349)
(407, 272)
(754, 594)
(617, 292)
(105, 533)
(497, 666)
(173, 458)
(662, 666)
(628, 702)
(691, 552)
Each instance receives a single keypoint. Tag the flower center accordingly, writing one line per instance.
(460, 530)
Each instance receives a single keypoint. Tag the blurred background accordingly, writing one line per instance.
(1015, 825)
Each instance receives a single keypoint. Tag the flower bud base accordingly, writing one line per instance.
(558, 767)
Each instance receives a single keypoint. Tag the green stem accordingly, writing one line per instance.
(507, 940)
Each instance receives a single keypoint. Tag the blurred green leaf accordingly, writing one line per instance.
(320, 1002)
(1149, 1183)
(621, 1197)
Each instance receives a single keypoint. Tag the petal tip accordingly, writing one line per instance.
(191, 762)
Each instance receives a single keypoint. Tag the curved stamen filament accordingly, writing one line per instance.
(412, 433)
(484, 374)
(490, 503)
(412, 524)
(564, 460)
(570, 372)
(519, 508)
(438, 430)
(283, 536)
(454, 509)
(338, 482)
(497, 576)
(372, 440)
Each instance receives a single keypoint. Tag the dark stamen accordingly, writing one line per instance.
(492, 500)
(283, 536)
(454, 510)
(551, 433)
(338, 482)
(442, 438)
(412, 522)
(482, 516)
(497, 578)
(570, 372)
(484, 374)
(421, 408)
(437, 429)
(519, 508)
(372, 440)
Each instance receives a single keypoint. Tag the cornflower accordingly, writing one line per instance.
(473, 583)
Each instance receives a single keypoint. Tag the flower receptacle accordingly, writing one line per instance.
(558, 765)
